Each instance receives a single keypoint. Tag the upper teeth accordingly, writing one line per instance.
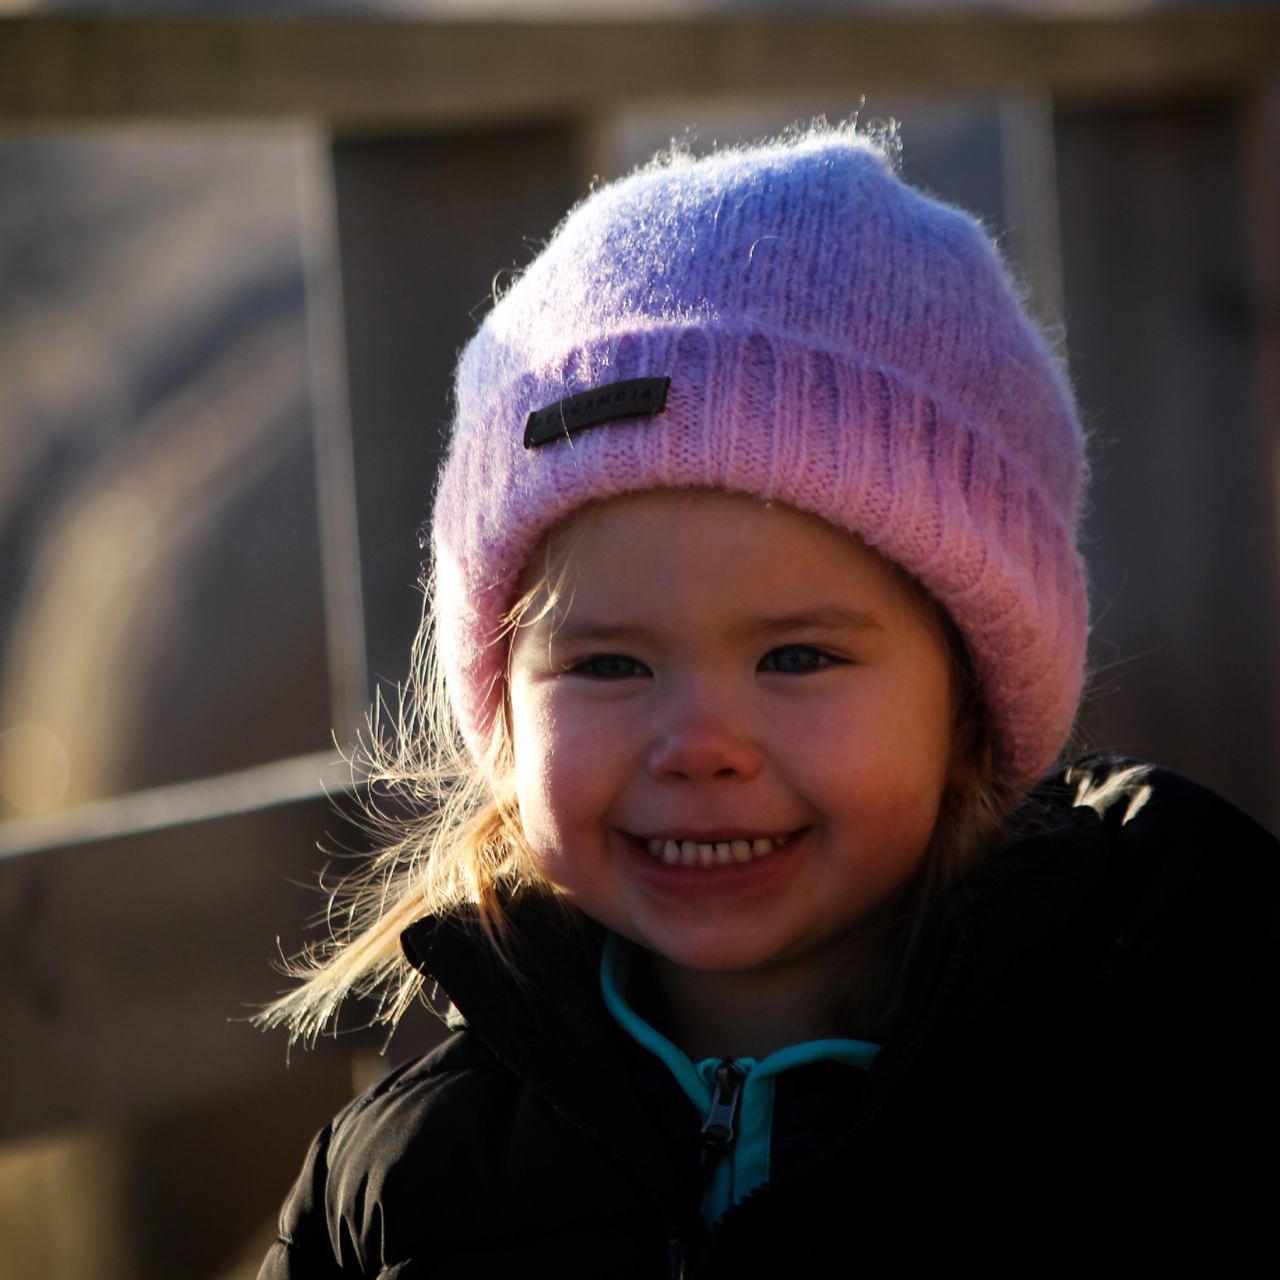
(694, 853)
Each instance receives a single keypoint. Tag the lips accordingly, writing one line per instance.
(711, 853)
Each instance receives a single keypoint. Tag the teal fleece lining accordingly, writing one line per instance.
(748, 1165)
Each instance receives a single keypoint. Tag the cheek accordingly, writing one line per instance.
(561, 776)
(533, 740)
(876, 765)
(876, 741)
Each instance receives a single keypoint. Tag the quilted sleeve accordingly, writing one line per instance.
(304, 1249)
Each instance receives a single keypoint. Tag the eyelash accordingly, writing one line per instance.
(770, 660)
(591, 667)
(594, 666)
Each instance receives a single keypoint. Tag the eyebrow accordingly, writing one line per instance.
(597, 632)
(833, 618)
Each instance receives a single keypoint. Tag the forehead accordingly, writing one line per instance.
(683, 551)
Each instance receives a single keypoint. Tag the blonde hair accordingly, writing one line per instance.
(448, 832)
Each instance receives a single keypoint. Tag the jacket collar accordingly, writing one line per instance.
(550, 1026)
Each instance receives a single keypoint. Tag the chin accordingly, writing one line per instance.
(719, 954)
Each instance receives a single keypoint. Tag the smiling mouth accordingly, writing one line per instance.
(716, 853)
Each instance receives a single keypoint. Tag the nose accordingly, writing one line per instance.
(702, 743)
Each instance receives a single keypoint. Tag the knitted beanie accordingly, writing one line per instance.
(833, 340)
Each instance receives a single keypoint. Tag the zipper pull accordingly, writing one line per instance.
(683, 1258)
(719, 1131)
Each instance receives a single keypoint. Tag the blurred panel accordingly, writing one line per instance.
(200, 1182)
(428, 227)
(127, 967)
(161, 612)
(951, 147)
(1181, 536)
(331, 430)
(184, 1195)
(62, 1208)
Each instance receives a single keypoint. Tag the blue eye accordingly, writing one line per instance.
(610, 666)
(795, 660)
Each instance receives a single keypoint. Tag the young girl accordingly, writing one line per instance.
(771, 939)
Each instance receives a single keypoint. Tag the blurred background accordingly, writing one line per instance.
(240, 246)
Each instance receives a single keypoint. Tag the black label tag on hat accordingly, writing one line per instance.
(634, 398)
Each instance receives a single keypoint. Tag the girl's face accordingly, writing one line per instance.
(732, 737)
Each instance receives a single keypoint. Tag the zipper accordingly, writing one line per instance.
(877, 1105)
(719, 1131)
(718, 1134)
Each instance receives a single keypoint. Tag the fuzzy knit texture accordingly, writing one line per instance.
(835, 340)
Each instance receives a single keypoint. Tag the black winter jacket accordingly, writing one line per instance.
(1082, 1067)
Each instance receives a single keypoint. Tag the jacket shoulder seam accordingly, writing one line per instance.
(414, 1072)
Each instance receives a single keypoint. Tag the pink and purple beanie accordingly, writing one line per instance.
(790, 321)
